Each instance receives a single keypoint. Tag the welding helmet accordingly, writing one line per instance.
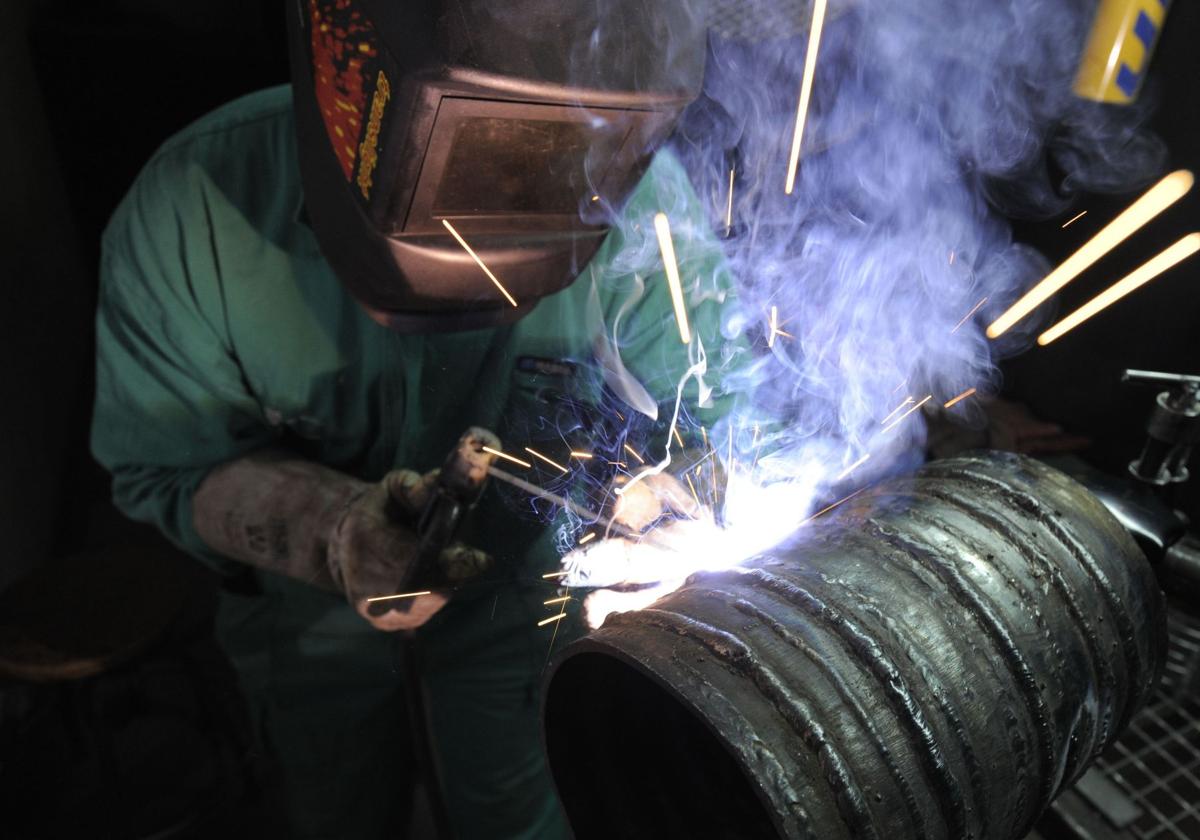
(518, 125)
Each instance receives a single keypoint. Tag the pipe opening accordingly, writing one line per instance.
(630, 760)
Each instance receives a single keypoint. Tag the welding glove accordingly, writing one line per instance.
(638, 504)
(315, 524)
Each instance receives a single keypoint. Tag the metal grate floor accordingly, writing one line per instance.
(1157, 761)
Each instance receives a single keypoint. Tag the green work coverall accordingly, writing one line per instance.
(222, 330)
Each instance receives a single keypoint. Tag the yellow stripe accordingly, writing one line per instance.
(1111, 44)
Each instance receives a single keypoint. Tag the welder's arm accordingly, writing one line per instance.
(320, 526)
(174, 420)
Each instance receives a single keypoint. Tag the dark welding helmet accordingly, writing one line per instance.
(516, 124)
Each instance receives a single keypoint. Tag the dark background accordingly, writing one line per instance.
(1076, 379)
(89, 89)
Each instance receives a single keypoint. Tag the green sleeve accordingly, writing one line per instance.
(170, 400)
(649, 336)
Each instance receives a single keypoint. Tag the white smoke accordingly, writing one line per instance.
(929, 120)
(925, 115)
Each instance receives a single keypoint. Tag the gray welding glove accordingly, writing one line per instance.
(300, 519)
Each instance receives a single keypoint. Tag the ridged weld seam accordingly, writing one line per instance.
(892, 556)
(846, 696)
(947, 791)
(1128, 634)
(846, 795)
(801, 824)
(937, 689)
(991, 624)
(1097, 655)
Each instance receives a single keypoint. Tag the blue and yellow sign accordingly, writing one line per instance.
(1119, 48)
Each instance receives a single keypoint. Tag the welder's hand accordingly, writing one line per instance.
(320, 526)
(373, 548)
(643, 502)
(1012, 426)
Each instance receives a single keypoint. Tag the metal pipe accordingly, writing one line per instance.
(938, 662)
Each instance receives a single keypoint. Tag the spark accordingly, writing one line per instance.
(1155, 200)
(561, 600)
(555, 575)
(959, 398)
(901, 385)
(693, 489)
(853, 467)
(633, 452)
(898, 420)
(965, 318)
(478, 261)
(898, 408)
(595, 198)
(951, 258)
(554, 464)
(1075, 218)
(810, 65)
(546, 621)
(675, 431)
(507, 457)
(581, 455)
(729, 205)
(394, 597)
(1141, 275)
(828, 508)
(587, 538)
(553, 636)
(775, 331)
(663, 227)
(704, 437)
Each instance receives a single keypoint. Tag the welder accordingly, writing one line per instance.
(310, 294)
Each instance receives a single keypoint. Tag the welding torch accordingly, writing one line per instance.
(457, 489)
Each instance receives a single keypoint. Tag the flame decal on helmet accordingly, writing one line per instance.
(369, 150)
(343, 42)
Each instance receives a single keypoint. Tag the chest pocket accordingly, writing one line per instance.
(551, 400)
